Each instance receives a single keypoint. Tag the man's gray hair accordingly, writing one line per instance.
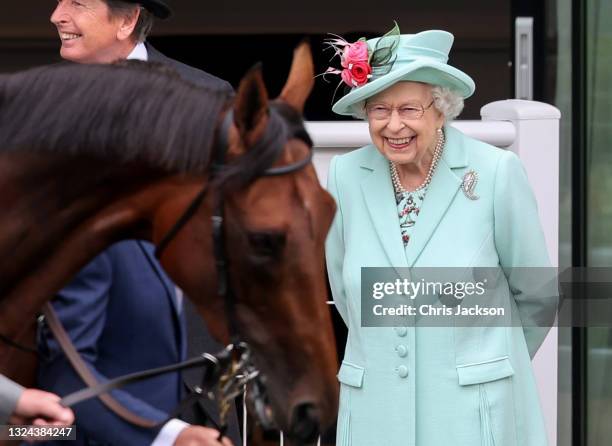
(119, 8)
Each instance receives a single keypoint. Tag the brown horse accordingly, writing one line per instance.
(90, 155)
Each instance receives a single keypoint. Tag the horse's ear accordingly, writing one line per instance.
(251, 106)
(301, 78)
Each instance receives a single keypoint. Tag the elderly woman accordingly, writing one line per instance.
(425, 195)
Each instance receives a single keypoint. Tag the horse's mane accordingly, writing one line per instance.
(131, 111)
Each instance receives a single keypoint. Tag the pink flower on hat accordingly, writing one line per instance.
(357, 58)
(356, 74)
(356, 69)
(354, 52)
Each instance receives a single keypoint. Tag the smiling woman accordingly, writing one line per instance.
(474, 207)
(405, 128)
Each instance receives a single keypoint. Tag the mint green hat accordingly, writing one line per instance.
(420, 57)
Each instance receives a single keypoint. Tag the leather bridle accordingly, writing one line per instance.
(276, 133)
(231, 369)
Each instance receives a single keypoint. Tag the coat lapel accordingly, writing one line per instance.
(154, 55)
(149, 252)
(442, 190)
(380, 201)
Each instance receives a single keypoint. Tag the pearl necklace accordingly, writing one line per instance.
(397, 184)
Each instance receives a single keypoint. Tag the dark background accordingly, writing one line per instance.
(227, 40)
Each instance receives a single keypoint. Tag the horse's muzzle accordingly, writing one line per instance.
(305, 424)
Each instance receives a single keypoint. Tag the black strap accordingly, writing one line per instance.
(191, 399)
(8, 341)
(289, 168)
(212, 366)
(189, 212)
(205, 360)
(224, 289)
(219, 161)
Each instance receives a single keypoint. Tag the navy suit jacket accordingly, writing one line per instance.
(122, 314)
(188, 73)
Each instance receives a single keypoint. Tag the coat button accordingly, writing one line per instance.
(401, 331)
(402, 371)
(401, 350)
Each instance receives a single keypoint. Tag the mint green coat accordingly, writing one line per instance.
(433, 386)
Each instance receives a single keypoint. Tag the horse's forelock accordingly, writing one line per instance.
(256, 159)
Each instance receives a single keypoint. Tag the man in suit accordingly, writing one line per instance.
(121, 311)
(25, 406)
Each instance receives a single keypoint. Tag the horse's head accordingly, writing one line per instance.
(136, 181)
(273, 233)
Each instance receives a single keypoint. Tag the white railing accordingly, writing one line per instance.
(531, 130)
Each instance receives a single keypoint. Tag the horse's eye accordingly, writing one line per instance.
(267, 244)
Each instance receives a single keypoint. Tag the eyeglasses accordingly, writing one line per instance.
(406, 112)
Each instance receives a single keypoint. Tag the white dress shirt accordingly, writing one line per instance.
(139, 53)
